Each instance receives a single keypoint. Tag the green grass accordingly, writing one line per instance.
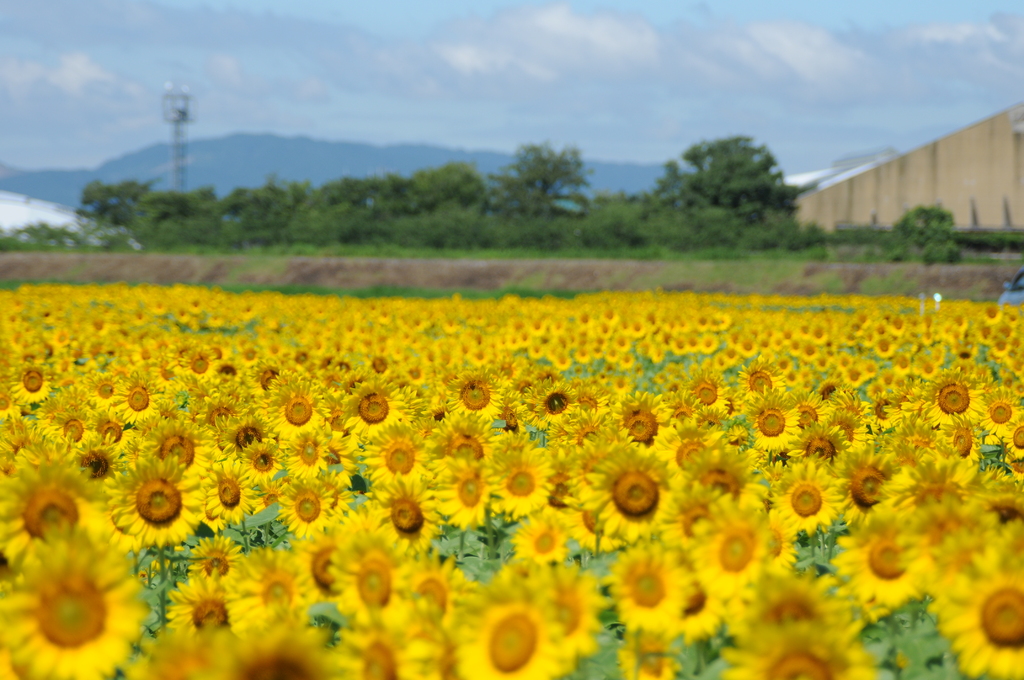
(369, 292)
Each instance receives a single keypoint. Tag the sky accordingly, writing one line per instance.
(81, 81)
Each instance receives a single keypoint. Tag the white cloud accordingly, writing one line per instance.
(603, 79)
(547, 44)
(75, 73)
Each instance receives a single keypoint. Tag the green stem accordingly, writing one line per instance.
(702, 656)
(492, 548)
(245, 535)
(462, 545)
(163, 587)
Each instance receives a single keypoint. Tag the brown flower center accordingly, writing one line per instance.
(771, 422)
(642, 426)
(209, 613)
(373, 408)
(407, 516)
(1002, 618)
(805, 499)
(32, 380)
(885, 558)
(298, 410)
(475, 395)
(179, 448)
(953, 398)
(158, 501)
(866, 486)
(138, 398)
(71, 612)
(800, 666)
(635, 494)
(513, 642)
(49, 508)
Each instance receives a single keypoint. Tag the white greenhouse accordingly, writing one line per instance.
(17, 210)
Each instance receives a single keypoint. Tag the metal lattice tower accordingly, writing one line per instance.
(177, 112)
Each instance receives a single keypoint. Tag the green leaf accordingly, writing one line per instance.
(265, 516)
(328, 611)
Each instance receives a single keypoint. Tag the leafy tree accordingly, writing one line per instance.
(730, 173)
(172, 219)
(541, 182)
(113, 204)
(447, 186)
(265, 215)
(930, 229)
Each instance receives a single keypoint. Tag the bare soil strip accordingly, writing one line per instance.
(968, 281)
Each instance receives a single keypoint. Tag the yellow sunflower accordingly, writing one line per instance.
(463, 491)
(879, 561)
(1001, 406)
(135, 398)
(293, 407)
(307, 452)
(730, 548)
(861, 476)
(578, 604)
(542, 538)
(55, 497)
(800, 650)
(75, 615)
(509, 631)
(648, 588)
(187, 443)
(396, 450)
(648, 655)
(157, 503)
(230, 495)
(952, 393)
(367, 575)
(461, 434)
(306, 507)
(627, 491)
(372, 405)
(641, 415)
(281, 650)
(408, 513)
(200, 604)
(775, 423)
(268, 587)
(32, 385)
(477, 392)
(240, 432)
(520, 473)
(806, 497)
(983, 618)
(214, 557)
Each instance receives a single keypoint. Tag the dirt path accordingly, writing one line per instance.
(973, 281)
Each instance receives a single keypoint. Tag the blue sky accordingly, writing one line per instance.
(80, 80)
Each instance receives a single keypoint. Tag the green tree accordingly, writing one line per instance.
(730, 173)
(541, 182)
(448, 186)
(265, 215)
(172, 219)
(116, 205)
(929, 229)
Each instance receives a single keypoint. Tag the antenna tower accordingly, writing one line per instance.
(177, 112)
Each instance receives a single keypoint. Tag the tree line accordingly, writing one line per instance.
(726, 193)
(723, 195)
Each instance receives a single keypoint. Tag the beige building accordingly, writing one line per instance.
(977, 173)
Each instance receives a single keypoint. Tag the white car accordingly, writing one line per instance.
(1014, 290)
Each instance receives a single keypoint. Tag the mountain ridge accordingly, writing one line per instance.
(248, 160)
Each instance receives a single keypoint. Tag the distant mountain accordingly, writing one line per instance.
(6, 171)
(245, 160)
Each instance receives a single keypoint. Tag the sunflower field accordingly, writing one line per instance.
(198, 484)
